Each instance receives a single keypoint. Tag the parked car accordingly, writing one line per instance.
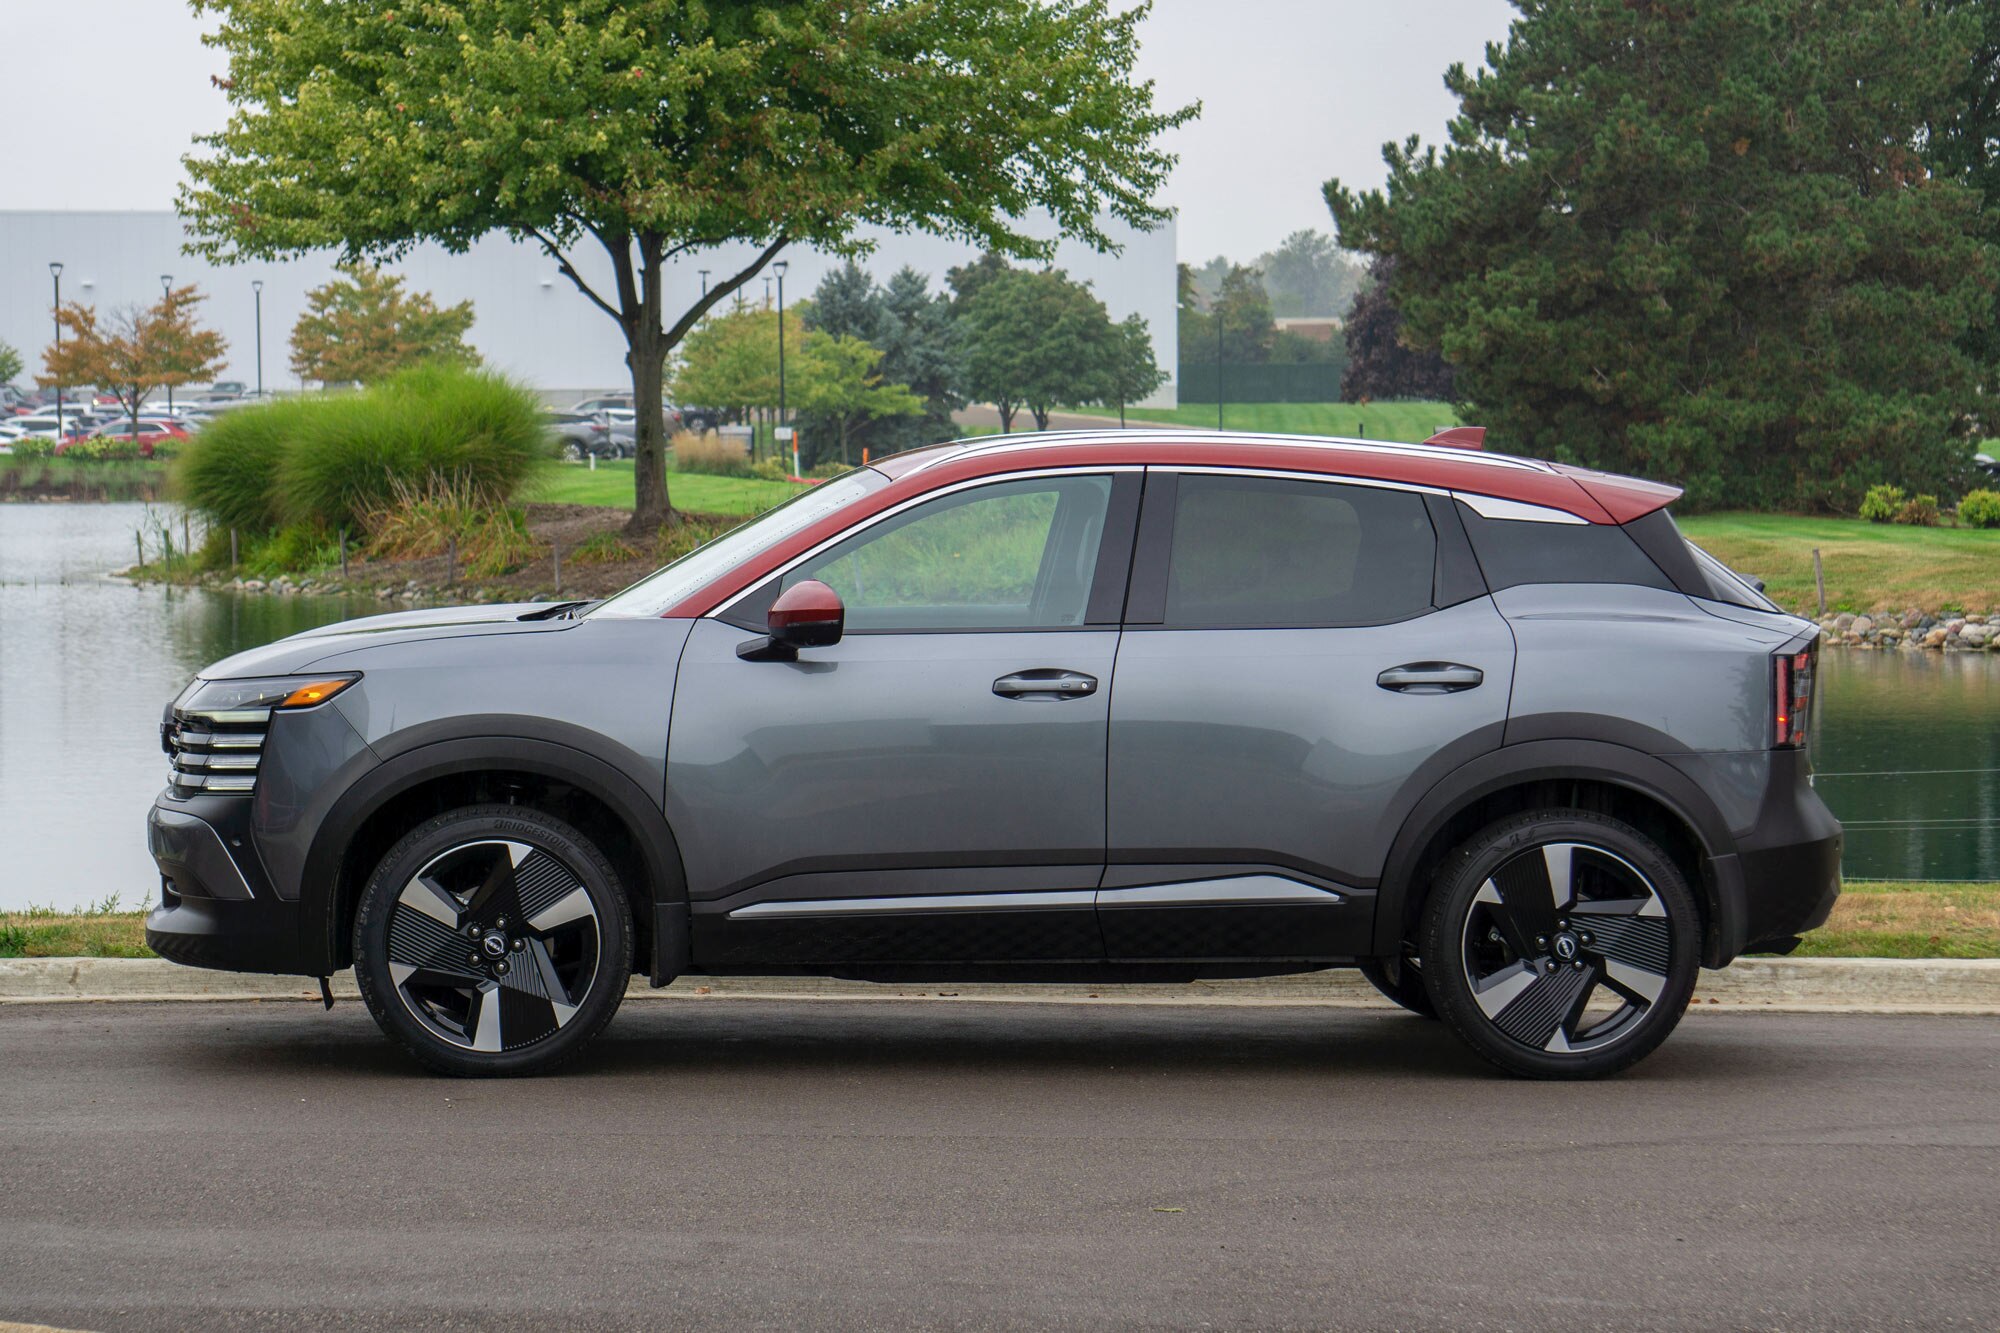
(592, 406)
(1987, 464)
(149, 435)
(583, 435)
(48, 426)
(1107, 707)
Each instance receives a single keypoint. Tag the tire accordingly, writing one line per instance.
(572, 451)
(493, 940)
(1561, 944)
(1406, 990)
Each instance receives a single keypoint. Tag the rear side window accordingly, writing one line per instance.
(1516, 551)
(1265, 551)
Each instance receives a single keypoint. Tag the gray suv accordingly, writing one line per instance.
(1091, 707)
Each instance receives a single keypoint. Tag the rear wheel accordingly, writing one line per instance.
(1401, 981)
(1561, 944)
(493, 940)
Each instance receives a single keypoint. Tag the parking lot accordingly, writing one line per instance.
(932, 1163)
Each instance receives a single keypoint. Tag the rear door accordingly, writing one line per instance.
(1303, 657)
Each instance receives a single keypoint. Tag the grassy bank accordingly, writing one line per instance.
(1375, 421)
(1869, 566)
(610, 483)
(1874, 919)
(80, 479)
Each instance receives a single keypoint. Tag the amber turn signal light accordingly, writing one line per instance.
(316, 692)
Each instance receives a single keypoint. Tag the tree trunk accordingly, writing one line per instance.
(1006, 411)
(651, 508)
(1041, 416)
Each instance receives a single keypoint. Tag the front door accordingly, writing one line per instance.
(931, 787)
(1303, 658)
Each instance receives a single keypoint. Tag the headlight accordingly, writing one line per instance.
(215, 730)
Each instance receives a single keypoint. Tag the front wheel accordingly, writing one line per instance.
(493, 940)
(1561, 944)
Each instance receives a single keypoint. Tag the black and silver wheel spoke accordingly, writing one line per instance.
(493, 945)
(1565, 946)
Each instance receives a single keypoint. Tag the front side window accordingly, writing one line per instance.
(1013, 555)
(1268, 551)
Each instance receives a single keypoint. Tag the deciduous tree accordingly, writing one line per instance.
(1134, 372)
(1038, 340)
(1700, 241)
(651, 128)
(838, 388)
(361, 326)
(133, 352)
(1379, 363)
(10, 363)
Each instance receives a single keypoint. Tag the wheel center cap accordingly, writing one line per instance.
(494, 944)
(1566, 946)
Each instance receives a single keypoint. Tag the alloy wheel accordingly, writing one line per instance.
(1567, 947)
(493, 945)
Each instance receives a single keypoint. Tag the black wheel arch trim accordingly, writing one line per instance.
(425, 760)
(1721, 890)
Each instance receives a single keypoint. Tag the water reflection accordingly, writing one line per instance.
(1909, 748)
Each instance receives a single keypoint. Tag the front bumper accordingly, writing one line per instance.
(217, 908)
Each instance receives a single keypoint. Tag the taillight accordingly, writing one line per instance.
(1792, 687)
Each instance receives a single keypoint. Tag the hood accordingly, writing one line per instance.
(301, 651)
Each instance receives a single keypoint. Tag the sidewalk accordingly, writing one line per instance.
(1780, 985)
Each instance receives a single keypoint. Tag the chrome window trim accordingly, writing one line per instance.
(1518, 511)
(1078, 469)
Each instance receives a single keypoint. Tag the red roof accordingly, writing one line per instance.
(1596, 497)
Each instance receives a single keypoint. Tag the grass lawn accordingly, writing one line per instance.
(611, 484)
(1869, 566)
(1376, 421)
(1874, 919)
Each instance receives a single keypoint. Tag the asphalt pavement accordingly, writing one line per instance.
(940, 1164)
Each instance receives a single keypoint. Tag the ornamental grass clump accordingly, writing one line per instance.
(421, 427)
(229, 473)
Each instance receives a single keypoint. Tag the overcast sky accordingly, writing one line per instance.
(1293, 91)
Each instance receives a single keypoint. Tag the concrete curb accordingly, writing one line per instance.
(1778, 985)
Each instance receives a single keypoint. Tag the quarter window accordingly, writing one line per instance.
(1013, 555)
(1258, 551)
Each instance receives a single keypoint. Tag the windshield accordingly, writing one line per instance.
(659, 593)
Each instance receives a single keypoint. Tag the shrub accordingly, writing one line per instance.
(833, 467)
(1980, 509)
(770, 469)
(230, 472)
(1919, 512)
(710, 454)
(676, 541)
(424, 426)
(1882, 504)
(31, 447)
(601, 548)
(104, 448)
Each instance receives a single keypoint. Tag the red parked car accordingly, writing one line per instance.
(151, 431)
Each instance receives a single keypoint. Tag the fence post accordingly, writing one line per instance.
(555, 551)
(1819, 579)
(451, 561)
(232, 550)
(139, 545)
(187, 542)
(343, 555)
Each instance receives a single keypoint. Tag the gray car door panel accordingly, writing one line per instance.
(1294, 751)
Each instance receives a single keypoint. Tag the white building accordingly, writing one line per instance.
(530, 321)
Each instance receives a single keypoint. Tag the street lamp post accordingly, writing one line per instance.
(257, 287)
(779, 269)
(55, 272)
(166, 292)
(704, 283)
(1218, 365)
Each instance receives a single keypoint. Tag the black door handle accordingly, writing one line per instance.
(1045, 683)
(1430, 678)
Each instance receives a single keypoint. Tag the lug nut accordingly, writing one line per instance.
(500, 968)
(1578, 965)
(519, 945)
(1541, 941)
(472, 931)
(472, 960)
(501, 923)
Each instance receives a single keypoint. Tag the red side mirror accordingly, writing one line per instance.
(807, 615)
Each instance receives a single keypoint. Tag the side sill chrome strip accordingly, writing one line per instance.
(945, 902)
(1233, 891)
(1236, 890)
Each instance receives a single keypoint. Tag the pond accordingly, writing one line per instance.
(1908, 750)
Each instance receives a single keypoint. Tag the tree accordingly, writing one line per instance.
(1700, 241)
(133, 352)
(651, 128)
(1379, 363)
(1038, 340)
(1238, 300)
(10, 363)
(919, 344)
(1309, 275)
(966, 280)
(847, 301)
(361, 326)
(1962, 143)
(838, 387)
(731, 360)
(1134, 373)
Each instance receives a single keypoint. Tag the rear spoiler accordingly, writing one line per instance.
(1460, 437)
